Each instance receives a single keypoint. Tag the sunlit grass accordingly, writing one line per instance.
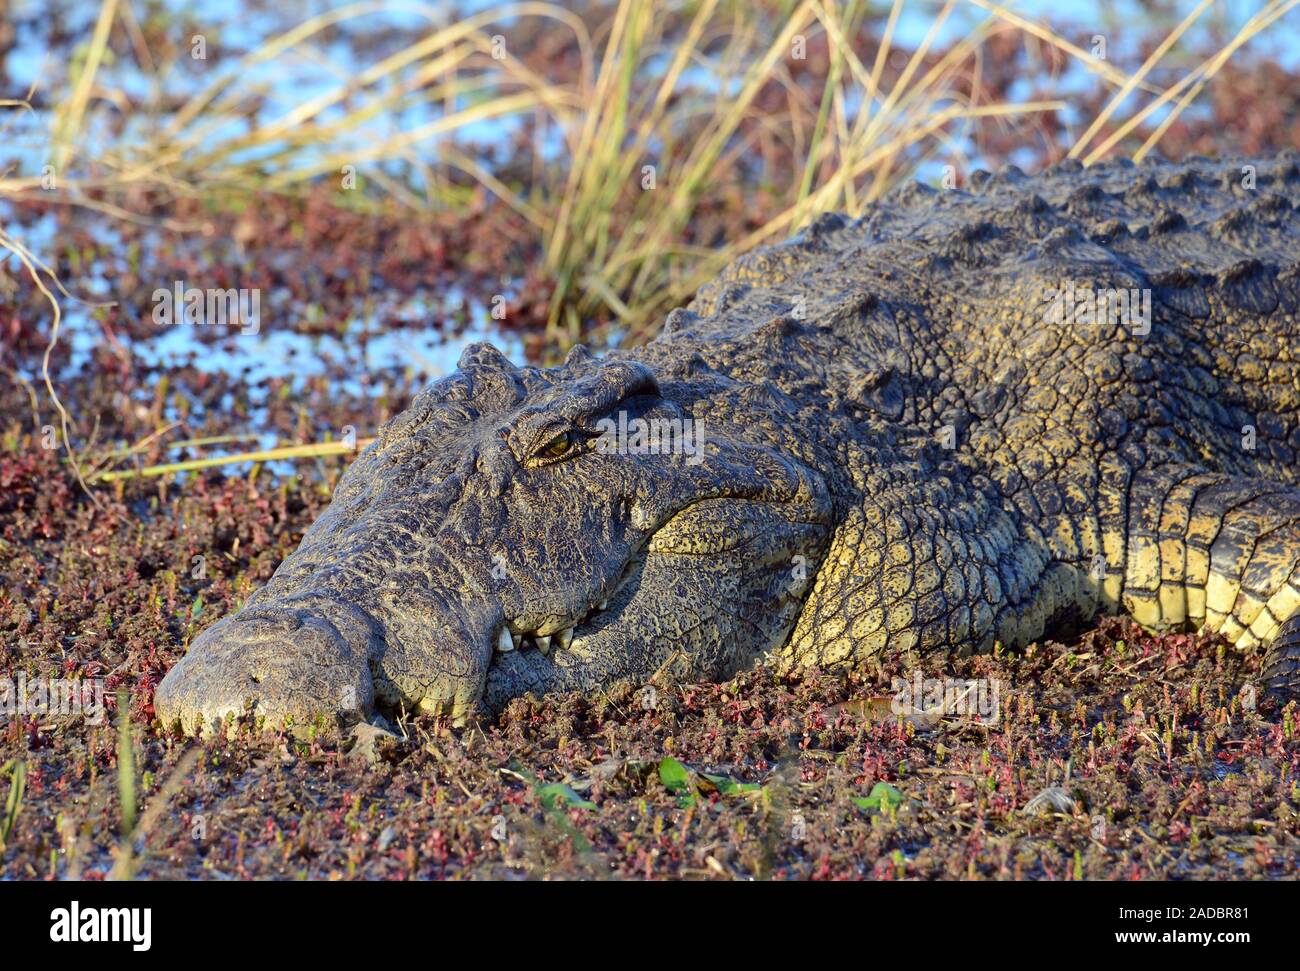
(16, 771)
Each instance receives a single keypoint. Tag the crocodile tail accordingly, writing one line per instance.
(1213, 551)
(1281, 674)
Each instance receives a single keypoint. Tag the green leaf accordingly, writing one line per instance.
(677, 780)
(196, 608)
(680, 782)
(883, 796)
(730, 787)
(557, 795)
(675, 777)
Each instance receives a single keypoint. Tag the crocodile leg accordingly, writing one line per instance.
(929, 563)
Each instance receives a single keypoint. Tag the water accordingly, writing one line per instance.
(362, 348)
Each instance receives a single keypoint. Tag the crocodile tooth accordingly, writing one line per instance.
(563, 638)
(602, 605)
(516, 639)
(544, 644)
(504, 641)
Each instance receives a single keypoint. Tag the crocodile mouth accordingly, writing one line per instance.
(533, 640)
(555, 634)
(696, 572)
(550, 637)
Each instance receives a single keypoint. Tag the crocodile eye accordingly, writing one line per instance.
(558, 446)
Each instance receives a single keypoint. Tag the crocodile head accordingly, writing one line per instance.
(522, 530)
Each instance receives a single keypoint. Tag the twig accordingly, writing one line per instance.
(316, 450)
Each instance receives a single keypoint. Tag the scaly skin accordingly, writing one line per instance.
(904, 451)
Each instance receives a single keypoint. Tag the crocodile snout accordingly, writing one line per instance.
(294, 667)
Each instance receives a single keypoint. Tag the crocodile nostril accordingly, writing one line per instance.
(288, 620)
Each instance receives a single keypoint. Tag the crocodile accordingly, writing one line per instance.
(969, 417)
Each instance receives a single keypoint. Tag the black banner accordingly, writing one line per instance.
(211, 920)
